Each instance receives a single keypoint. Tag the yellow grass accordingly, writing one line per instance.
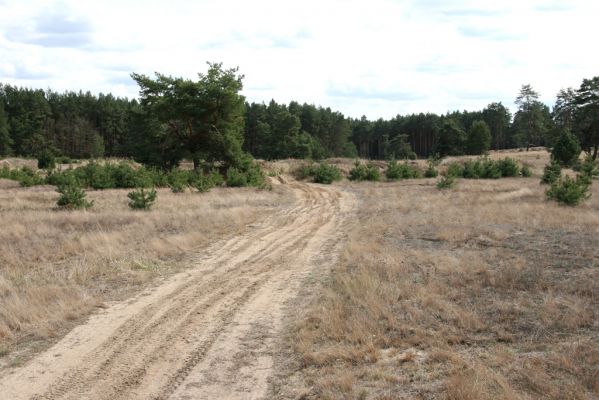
(486, 291)
(56, 266)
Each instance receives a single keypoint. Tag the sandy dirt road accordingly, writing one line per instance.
(206, 333)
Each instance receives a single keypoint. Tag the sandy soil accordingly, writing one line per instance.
(206, 333)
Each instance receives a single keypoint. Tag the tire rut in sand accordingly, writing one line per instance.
(205, 333)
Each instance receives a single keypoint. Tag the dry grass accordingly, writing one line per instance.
(486, 291)
(56, 266)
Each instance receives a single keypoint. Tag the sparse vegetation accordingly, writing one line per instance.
(56, 267)
(525, 171)
(482, 292)
(446, 182)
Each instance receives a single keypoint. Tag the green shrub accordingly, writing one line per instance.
(305, 171)
(326, 173)
(551, 173)
(431, 169)
(46, 160)
(364, 172)
(255, 176)
(236, 178)
(490, 169)
(508, 167)
(589, 169)
(202, 182)
(26, 177)
(142, 199)
(455, 169)
(123, 175)
(397, 171)
(65, 160)
(525, 171)
(178, 180)
(72, 196)
(473, 169)
(446, 182)
(566, 150)
(568, 191)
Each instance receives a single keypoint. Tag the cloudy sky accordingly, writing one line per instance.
(376, 58)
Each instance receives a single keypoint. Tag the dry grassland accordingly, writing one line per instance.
(57, 266)
(486, 291)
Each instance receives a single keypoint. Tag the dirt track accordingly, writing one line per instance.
(206, 333)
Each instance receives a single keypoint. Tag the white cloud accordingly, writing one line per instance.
(377, 58)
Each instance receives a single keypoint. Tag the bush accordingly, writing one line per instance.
(455, 169)
(305, 171)
(569, 191)
(525, 171)
(236, 178)
(46, 160)
(201, 182)
(362, 172)
(326, 173)
(72, 196)
(446, 182)
(508, 167)
(65, 160)
(26, 177)
(589, 170)
(431, 169)
(397, 171)
(178, 180)
(566, 150)
(142, 199)
(551, 173)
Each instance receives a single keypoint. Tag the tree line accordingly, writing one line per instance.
(208, 121)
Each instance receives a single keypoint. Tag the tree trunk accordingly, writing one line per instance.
(196, 162)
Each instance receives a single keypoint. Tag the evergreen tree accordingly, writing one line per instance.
(451, 139)
(586, 117)
(530, 121)
(204, 118)
(498, 119)
(567, 150)
(5, 140)
(479, 138)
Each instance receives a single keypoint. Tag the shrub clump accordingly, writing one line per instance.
(551, 173)
(431, 169)
(364, 172)
(508, 167)
(46, 160)
(566, 150)
(142, 199)
(525, 171)
(326, 174)
(446, 182)
(397, 171)
(569, 191)
(72, 196)
(485, 168)
(589, 169)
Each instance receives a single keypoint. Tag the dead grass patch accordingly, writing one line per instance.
(56, 266)
(482, 292)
